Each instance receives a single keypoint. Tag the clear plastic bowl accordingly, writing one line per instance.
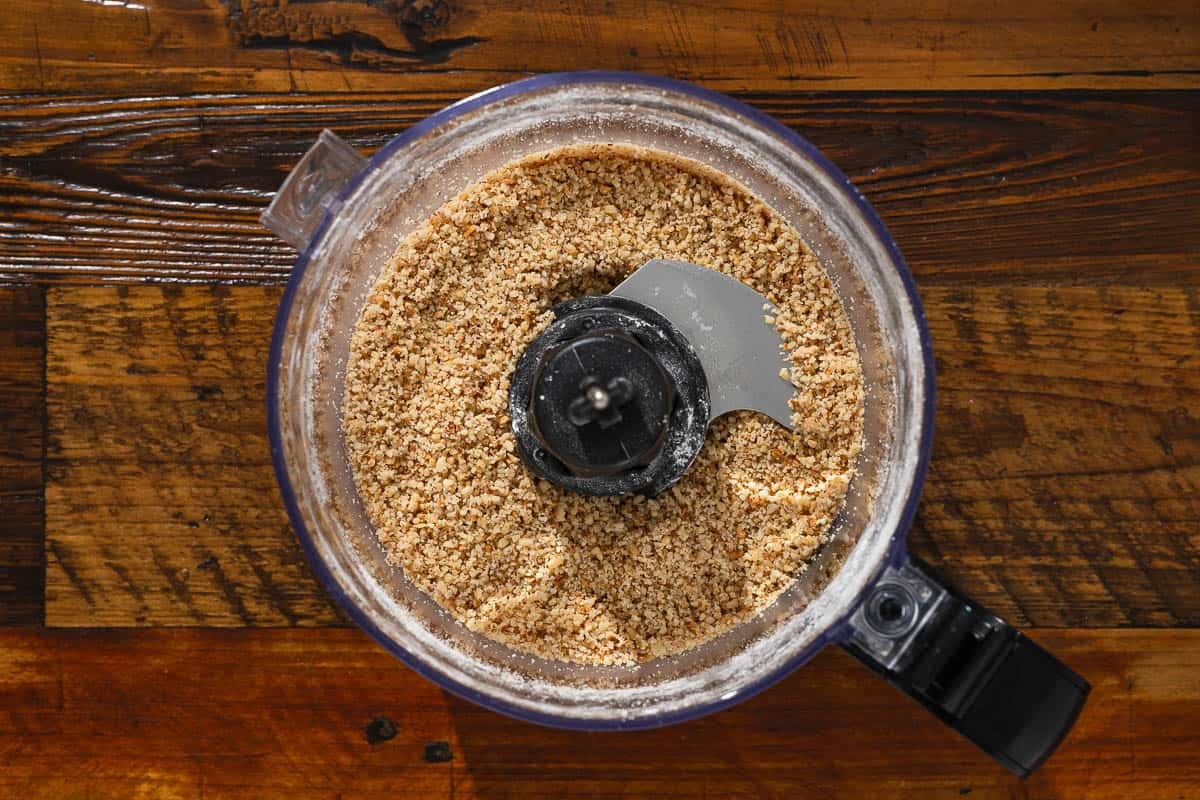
(346, 232)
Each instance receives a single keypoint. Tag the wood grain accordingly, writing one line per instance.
(173, 46)
(1063, 187)
(151, 713)
(1054, 232)
(1067, 452)
(22, 416)
(1064, 488)
(161, 500)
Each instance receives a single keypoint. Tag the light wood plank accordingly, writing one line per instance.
(1064, 488)
(162, 507)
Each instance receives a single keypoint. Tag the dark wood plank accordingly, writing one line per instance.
(22, 421)
(174, 46)
(152, 713)
(161, 500)
(1064, 490)
(978, 189)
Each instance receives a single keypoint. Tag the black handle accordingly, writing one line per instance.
(975, 672)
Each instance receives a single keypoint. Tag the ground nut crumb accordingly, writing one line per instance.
(547, 571)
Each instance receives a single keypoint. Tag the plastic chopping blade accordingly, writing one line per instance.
(723, 319)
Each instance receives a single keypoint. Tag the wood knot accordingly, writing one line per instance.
(422, 18)
(438, 752)
(380, 730)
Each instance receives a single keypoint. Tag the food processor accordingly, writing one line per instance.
(346, 215)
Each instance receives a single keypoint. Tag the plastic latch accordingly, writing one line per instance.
(966, 665)
(311, 189)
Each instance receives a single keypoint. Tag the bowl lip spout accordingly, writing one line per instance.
(896, 548)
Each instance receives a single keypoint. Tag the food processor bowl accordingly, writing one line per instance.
(347, 215)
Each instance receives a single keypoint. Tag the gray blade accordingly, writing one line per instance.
(723, 319)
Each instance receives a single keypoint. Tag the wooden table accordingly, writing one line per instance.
(1037, 162)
